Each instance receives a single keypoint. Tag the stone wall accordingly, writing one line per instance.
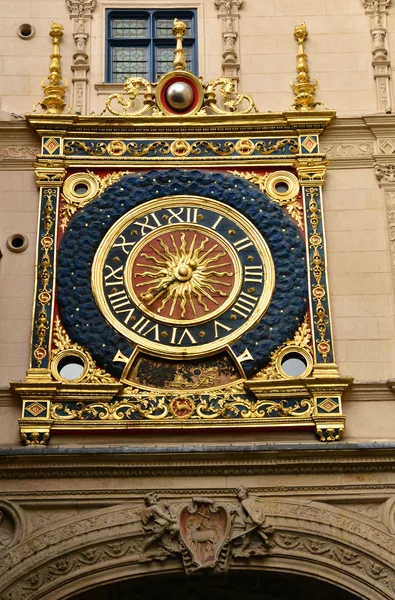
(358, 212)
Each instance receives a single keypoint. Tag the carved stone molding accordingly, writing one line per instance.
(390, 204)
(18, 145)
(251, 459)
(243, 530)
(348, 149)
(81, 12)
(228, 12)
(376, 10)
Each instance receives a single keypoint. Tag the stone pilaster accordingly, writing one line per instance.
(376, 10)
(81, 12)
(228, 12)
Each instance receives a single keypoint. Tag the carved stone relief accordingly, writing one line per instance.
(390, 202)
(203, 533)
(6, 531)
(385, 173)
(376, 10)
(228, 13)
(81, 12)
(346, 150)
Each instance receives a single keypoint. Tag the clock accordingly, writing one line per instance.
(183, 275)
(182, 265)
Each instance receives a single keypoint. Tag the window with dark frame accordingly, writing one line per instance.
(140, 43)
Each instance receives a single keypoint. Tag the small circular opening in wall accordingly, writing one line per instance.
(26, 31)
(281, 187)
(294, 364)
(80, 189)
(17, 242)
(71, 367)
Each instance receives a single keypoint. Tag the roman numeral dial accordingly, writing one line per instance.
(183, 276)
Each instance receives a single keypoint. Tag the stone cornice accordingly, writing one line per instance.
(207, 460)
(367, 391)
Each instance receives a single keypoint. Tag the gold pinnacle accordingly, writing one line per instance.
(303, 87)
(54, 86)
(179, 31)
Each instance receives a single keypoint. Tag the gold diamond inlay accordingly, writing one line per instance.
(35, 409)
(309, 144)
(51, 145)
(328, 405)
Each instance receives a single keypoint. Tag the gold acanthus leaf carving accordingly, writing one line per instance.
(68, 209)
(109, 179)
(230, 100)
(130, 102)
(302, 339)
(292, 206)
(62, 341)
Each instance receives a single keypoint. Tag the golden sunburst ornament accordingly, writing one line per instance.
(183, 274)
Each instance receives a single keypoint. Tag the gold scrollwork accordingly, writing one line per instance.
(134, 86)
(321, 319)
(134, 149)
(251, 409)
(230, 100)
(64, 347)
(78, 190)
(149, 407)
(154, 407)
(267, 183)
(91, 148)
(301, 343)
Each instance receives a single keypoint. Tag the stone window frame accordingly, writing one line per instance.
(98, 54)
(151, 42)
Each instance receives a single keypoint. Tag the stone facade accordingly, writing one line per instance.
(78, 507)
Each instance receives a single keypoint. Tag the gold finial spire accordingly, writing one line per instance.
(303, 87)
(54, 85)
(179, 31)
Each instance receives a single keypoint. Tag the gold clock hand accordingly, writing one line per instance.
(150, 298)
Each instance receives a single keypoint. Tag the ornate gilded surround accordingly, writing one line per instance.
(101, 179)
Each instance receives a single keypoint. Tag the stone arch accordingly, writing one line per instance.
(310, 538)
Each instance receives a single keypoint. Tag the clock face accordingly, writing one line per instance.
(183, 275)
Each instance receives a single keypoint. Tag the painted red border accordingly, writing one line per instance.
(190, 108)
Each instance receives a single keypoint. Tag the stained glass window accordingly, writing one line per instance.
(165, 57)
(141, 43)
(129, 28)
(129, 61)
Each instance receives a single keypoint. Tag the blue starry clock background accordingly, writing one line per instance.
(82, 318)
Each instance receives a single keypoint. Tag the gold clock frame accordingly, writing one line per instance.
(187, 201)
